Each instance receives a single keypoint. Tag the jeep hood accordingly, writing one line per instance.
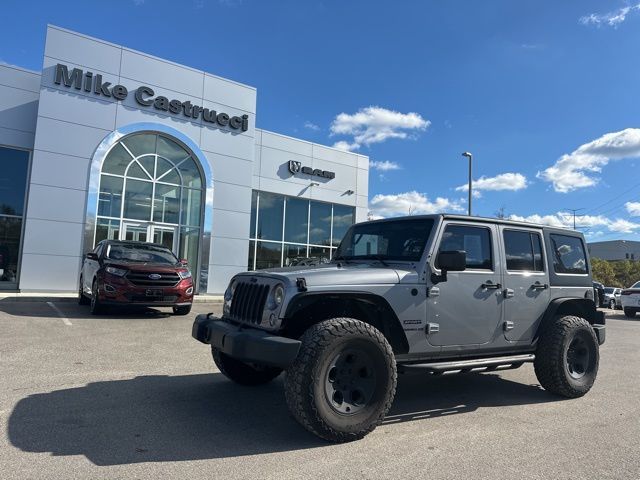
(332, 274)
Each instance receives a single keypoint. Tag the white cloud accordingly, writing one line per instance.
(384, 165)
(311, 126)
(565, 220)
(633, 208)
(137, 3)
(409, 203)
(623, 226)
(375, 125)
(504, 181)
(346, 146)
(575, 170)
(610, 19)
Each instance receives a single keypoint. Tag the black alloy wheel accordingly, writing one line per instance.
(350, 381)
(578, 356)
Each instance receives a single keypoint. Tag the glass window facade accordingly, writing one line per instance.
(151, 190)
(289, 231)
(14, 168)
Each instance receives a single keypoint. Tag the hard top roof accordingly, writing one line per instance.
(501, 221)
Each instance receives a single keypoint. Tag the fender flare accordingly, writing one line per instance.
(581, 307)
(342, 301)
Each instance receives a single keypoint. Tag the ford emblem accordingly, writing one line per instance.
(155, 276)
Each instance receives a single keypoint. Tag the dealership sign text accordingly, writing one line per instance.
(145, 96)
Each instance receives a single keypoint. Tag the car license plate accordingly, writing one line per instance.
(154, 292)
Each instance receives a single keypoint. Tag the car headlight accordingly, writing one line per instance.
(184, 274)
(228, 297)
(118, 272)
(277, 296)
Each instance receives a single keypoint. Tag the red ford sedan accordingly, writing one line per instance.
(134, 273)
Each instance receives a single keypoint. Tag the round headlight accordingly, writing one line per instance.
(228, 294)
(278, 295)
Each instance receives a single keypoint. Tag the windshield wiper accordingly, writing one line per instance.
(375, 256)
(341, 257)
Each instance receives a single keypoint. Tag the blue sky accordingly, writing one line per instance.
(544, 94)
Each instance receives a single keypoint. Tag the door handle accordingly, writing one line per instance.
(540, 286)
(489, 285)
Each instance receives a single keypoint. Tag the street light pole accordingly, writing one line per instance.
(470, 157)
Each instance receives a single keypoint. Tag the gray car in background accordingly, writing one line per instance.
(612, 298)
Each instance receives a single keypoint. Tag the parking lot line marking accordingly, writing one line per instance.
(65, 320)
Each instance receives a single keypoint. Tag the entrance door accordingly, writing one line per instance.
(135, 232)
(467, 308)
(147, 232)
(164, 235)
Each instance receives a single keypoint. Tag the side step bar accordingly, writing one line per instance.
(465, 366)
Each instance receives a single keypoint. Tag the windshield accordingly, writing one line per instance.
(636, 285)
(608, 290)
(145, 253)
(402, 240)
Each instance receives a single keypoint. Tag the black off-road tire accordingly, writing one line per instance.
(306, 380)
(82, 298)
(564, 338)
(629, 313)
(182, 310)
(243, 373)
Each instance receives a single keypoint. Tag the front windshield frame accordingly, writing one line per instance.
(417, 249)
(141, 253)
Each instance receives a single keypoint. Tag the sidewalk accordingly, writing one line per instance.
(73, 297)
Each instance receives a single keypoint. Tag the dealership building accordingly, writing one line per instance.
(110, 143)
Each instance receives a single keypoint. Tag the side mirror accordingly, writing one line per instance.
(449, 261)
(92, 256)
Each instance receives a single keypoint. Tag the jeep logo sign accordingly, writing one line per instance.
(145, 96)
(296, 167)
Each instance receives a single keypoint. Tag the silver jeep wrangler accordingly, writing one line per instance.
(437, 293)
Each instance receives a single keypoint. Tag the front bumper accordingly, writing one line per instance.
(244, 343)
(601, 332)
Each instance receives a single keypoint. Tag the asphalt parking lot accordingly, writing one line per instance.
(132, 395)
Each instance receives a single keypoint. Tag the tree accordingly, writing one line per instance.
(603, 272)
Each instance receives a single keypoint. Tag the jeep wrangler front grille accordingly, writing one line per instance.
(248, 302)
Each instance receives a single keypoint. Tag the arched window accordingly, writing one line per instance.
(151, 190)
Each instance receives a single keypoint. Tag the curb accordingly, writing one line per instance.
(49, 297)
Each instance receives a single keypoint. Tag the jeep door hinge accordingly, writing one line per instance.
(508, 325)
(433, 292)
(508, 293)
(433, 328)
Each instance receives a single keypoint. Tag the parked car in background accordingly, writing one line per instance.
(631, 300)
(120, 273)
(612, 297)
(598, 294)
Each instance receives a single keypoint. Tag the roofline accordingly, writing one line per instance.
(451, 216)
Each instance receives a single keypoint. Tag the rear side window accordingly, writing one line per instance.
(475, 241)
(523, 251)
(568, 254)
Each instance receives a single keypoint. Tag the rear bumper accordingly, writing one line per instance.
(245, 344)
